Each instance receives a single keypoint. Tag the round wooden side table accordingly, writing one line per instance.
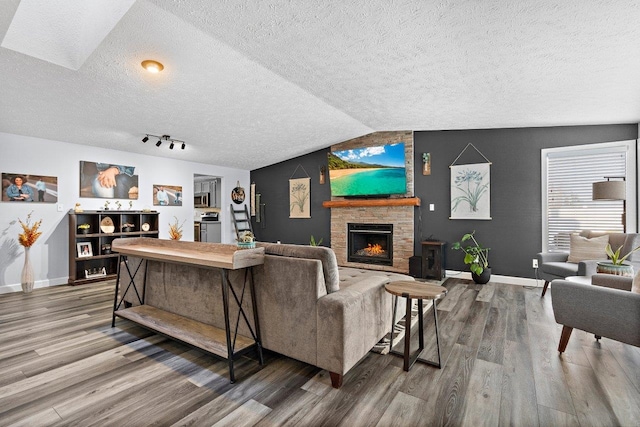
(415, 290)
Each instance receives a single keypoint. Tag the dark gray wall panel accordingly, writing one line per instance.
(273, 184)
(514, 233)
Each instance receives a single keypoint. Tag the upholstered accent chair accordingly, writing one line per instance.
(605, 308)
(583, 262)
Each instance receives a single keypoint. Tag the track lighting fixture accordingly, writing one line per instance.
(163, 138)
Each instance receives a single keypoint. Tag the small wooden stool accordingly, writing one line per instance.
(420, 291)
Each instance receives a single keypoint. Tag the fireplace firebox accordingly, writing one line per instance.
(370, 243)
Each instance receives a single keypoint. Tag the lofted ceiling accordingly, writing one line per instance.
(249, 83)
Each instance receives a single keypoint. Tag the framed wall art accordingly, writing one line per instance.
(21, 187)
(167, 195)
(300, 198)
(108, 181)
(470, 191)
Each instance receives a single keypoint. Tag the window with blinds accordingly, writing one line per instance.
(567, 192)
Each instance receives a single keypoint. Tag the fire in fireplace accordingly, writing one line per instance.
(370, 243)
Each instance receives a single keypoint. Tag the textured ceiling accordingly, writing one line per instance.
(251, 83)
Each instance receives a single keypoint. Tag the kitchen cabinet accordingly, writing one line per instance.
(215, 194)
(212, 188)
(211, 232)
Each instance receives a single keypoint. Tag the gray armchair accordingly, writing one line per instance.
(554, 265)
(611, 312)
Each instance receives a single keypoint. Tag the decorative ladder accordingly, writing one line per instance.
(241, 220)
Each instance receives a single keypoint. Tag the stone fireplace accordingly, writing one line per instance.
(370, 243)
(397, 213)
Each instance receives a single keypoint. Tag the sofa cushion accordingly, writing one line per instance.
(326, 256)
(631, 242)
(583, 248)
(635, 286)
(560, 269)
(350, 275)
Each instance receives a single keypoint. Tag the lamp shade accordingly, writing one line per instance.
(609, 190)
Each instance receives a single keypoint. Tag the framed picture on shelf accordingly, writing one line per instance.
(84, 249)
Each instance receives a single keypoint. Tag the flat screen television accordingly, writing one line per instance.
(370, 171)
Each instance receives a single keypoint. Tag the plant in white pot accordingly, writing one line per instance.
(616, 263)
(476, 256)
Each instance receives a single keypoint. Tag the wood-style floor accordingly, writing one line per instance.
(61, 363)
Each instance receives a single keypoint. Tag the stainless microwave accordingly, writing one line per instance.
(201, 200)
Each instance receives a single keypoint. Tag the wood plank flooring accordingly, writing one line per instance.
(61, 364)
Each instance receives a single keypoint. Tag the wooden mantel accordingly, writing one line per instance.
(360, 203)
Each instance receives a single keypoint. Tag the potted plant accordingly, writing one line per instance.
(84, 228)
(313, 242)
(476, 256)
(616, 263)
(247, 240)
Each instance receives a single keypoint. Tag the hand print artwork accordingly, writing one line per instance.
(299, 198)
(470, 191)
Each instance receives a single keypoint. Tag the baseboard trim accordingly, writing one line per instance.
(6, 289)
(510, 280)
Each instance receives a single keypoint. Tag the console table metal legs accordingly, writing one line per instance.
(204, 336)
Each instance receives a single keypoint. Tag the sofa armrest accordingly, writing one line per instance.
(552, 257)
(610, 313)
(351, 321)
(612, 281)
(588, 267)
(287, 293)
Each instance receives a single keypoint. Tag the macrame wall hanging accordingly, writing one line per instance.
(471, 188)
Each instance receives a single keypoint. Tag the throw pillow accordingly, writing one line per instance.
(635, 287)
(631, 242)
(582, 249)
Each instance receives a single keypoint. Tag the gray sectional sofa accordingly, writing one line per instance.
(309, 308)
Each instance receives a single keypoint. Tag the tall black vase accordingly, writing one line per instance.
(483, 278)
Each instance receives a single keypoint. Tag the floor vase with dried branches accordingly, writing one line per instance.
(26, 279)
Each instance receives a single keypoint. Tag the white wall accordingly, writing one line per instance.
(49, 256)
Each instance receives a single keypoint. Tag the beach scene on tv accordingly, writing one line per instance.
(368, 171)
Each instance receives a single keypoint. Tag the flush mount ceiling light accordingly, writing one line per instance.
(152, 66)
(162, 138)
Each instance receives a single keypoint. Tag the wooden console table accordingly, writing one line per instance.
(217, 341)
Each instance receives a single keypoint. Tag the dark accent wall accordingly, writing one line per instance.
(273, 184)
(515, 232)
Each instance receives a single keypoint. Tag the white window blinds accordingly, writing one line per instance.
(570, 174)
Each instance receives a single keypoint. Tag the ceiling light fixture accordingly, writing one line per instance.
(163, 138)
(152, 66)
